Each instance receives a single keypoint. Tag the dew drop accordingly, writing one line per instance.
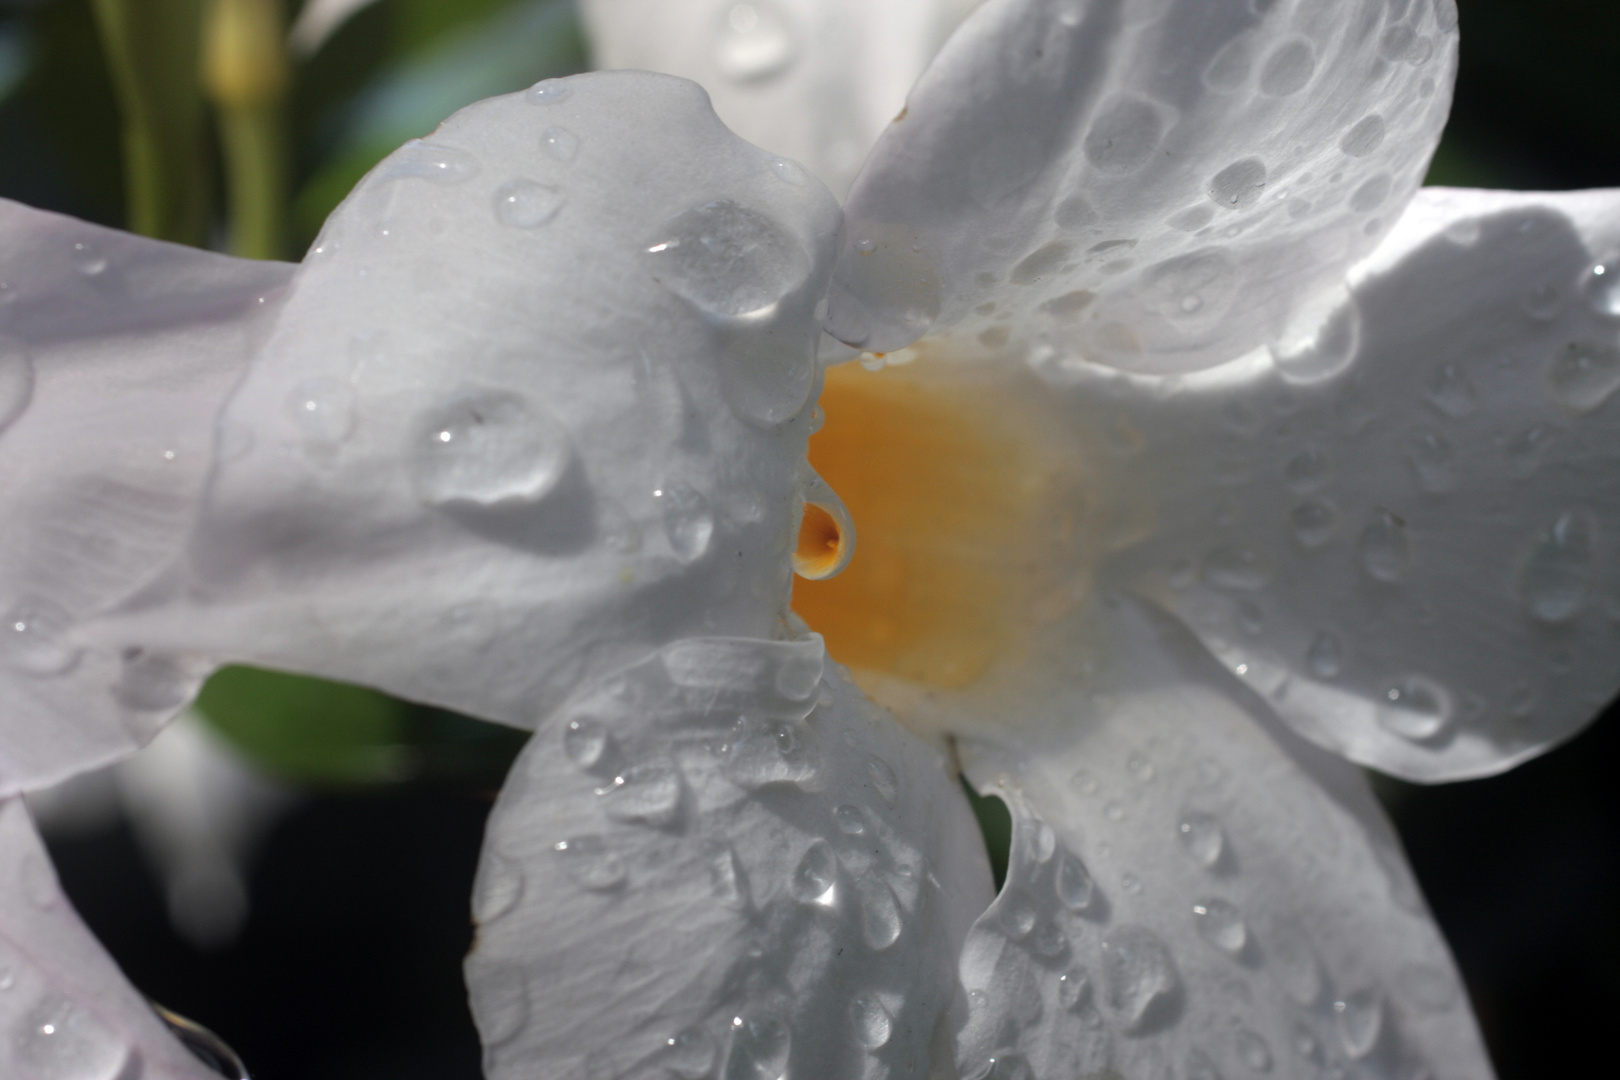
(649, 792)
(444, 166)
(1366, 136)
(322, 409)
(1017, 915)
(1231, 566)
(1073, 883)
(1221, 925)
(870, 1020)
(1288, 68)
(1359, 1019)
(16, 382)
(1415, 708)
(727, 259)
(59, 1040)
(688, 522)
(548, 92)
(1042, 842)
(760, 1045)
(1602, 288)
(771, 752)
(1384, 549)
(1202, 838)
(1239, 185)
(787, 171)
(1139, 976)
(1314, 523)
(498, 889)
(1430, 455)
(689, 1055)
(1558, 572)
(1450, 391)
(590, 863)
(1072, 988)
(880, 912)
(1325, 656)
(1583, 376)
(754, 42)
(850, 820)
(488, 448)
(1253, 1051)
(586, 742)
(1525, 450)
(559, 143)
(725, 876)
(525, 204)
(1307, 469)
(88, 261)
(1124, 135)
(816, 874)
(32, 638)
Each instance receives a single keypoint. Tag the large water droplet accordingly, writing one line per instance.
(1450, 391)
(1202, 838)
(586, 742)
(16, 382)
(525, 204)
(816, 874)
(1359, 1019)
(1415, 708)
(1232, 566)
(60, 1040)
(726, 258)
(1221, 924)
(754, 41)
(649, 792)
(488, 448)
(1124, 135)
(591, 863)
(1239, 185)
(1583, 376)
(1140, 977)
(1073, 882)
(441, 165)
(1384, 548)
(688, 522)
(1558, 572)
(760, 1045)
(689, 1055)
(772, 752)
(871, 1021)
(1325, 656)
(1430, 455)
(322, 409)
(32, 638)
(498, 889)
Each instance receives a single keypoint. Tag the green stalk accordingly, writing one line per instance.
(151, 48)
(246, 74)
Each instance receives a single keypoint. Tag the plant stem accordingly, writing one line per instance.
(245, 72)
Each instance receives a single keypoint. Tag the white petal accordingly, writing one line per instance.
(1195, 892)
(813, 80)
(65, 1008)
(538, 401)
(1404, 536)
(724, 861)
(116, 356)
(1155, 185)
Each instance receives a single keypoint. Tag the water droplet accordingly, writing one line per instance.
(1073, 883)
(1525, 450)
(156, 682)
(16, 382)
(1253, 1051)
(755, 41)
(760, 1045)
(1415, 708)
(322, 409)
(1192, 289)
(548, 92)
(1307, 469)
(1231, 566)
(1042, 841)
(1314, 523)
(1288, 68)
(88, 261)
(498, 889)
(1326, 354)
(772, 752)
(1124, 135)
(1017, 915)
(1371, 194)
(444, 166)
(870, 1020)
(816, 874)
(1140, 977)
(559, 143)
(788, 172)
(1450, 391)
(1048, 940)
(1544, 302)
(1202, 838)
(725, 876)
(1072, 988)
(1005, 1065)
(881, 775)
(525, 204)
(59, 1040)
(648, 792)
(1325, 656)
(32, 638)
(1602, 287)
(591, 863)
(586, 742)
(1359, 1019)
(1558, 572)
(850, 820)
(1221, 924)
(1430, 455)
(1583, 376)
(689, 1055)
(726, 258)
(1384, 549)
(688, 522)
(1239, 185)
(1366, 136)
(488, 448)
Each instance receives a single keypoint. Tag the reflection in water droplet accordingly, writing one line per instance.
(1384, 549)
(1221, 924)
(1359, 1019)
(1042, 841)
(559, 143)
(16, 381)
(322, 409)
(871, 1021)
(1314, 523)
(586, 742)
(816, 874)
(760, 1046)
(488, 448)
(525, 204)
(32, 638)
(754, 41)
(1558, 572)
(1415, 708)
(591, 863)
(649, 792)
(1139, 975)
(689, 1055)
(59, 1040)
(1074, 884)
(1584, 375)
(1202, 838)
(688, 522)
(1325, 656)
(726, 258)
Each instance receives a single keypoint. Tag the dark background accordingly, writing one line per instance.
(349, 966)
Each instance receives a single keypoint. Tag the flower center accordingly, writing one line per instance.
(965, 504)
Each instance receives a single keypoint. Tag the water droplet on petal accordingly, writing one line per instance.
(1359, 1019)
(88, 261)
(591, 863)
(525, 204)
(1288, 68)
(1073, 882)
(559, 143)
(882, 777)
(1583, 376)
(1602, 288)
(850, 820)
(1430, 455)
(1017, 915)
(1314, 523)
(442, 165)
(816, 874)
(871, 1021)
(1325, 656)
(1384, 548)
(725, 876)
(1140, 978)
(1415, 708)
(1525, 450)
(322, 409)
(58, 1039)
(32, 638)
(1202, 838)
(16, 382)
(1239, 185)
(1072, 988)
(772, 752)
(1450, 391)
(1231, 566)
(1221, 924)
(1558, 572)
(760, 1046)
(1366, 136)
(788, 172)
(548, 92)
(690, 1055)
(498, 889)
(156, 682)
(1042, 841)
(1371, 194)
(649, 792)
(488, 448)
(1124, 135)
(688, 522)
(726, 258)
(755, 41)
(586, 742)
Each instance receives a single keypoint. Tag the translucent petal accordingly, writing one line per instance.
(1403, 535)
(116, 355)
(1153, 185)
(814, 80)
(1193, 891)
(723, 861)
(523, 415)
(65, 1009)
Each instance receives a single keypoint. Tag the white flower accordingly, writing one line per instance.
(1207, 446)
